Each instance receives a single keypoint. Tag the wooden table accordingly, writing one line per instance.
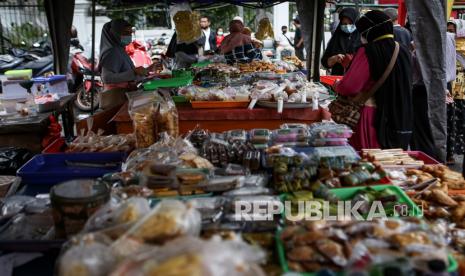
(28, 132)
(219, 120)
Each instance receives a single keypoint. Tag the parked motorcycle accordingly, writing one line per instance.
(81, 69)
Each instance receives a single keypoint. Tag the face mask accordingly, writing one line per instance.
(126, 40)
(220, 33)
(348, 29)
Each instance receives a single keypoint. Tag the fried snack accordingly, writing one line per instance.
(302, 254)
(442, 198)
(186, 264)
(257, 66)
(158, 228)
(403, 240)
(295, 61)
(459, 212)
(144, 127)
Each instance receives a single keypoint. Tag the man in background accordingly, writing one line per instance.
(401, 34)
(209, 47)
(283, 42)
(298, 40)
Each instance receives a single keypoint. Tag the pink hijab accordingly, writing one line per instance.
(235, 38)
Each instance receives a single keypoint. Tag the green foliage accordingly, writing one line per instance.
(26, 32)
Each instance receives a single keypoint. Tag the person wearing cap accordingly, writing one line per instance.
(401, 34)
(343, 44)
(386, 117)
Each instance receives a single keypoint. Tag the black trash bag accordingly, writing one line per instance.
(12, 158)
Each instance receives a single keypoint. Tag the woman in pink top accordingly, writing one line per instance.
(386, 119)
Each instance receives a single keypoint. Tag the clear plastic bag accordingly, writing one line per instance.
(169, 219)
(167, 117)
(187, 26)
(193, 256)
(327, 130)
(143, 111)
(91, 256)
(118, 212)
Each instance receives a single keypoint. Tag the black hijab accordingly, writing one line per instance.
(341, 42)
(393, 100)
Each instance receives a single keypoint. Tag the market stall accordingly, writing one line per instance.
(150, 206)
(219, 120)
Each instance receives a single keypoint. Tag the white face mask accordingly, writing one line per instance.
(220, 33)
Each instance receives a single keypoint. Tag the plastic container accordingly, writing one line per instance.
(73, 202)
(24, 74)
(453, 266)
(12, 90)
(260, 136)
(167, 83)
(49, 106)
(180, 100)
(402, 198)
(325, 142)
(217, 104)
(330, 80)
(56, 84)
(46, 170)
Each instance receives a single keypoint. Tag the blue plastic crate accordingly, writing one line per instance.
(45, 170)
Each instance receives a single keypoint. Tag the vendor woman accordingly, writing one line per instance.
(237, 47)
(118, 72)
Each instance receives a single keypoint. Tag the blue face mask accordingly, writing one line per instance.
(348, 29)
(126, 40)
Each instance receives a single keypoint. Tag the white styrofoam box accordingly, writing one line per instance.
(12, 90)
(56, 85)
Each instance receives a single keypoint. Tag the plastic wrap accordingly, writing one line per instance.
(167, 117)
(143, 111)
(193, 256)
(186, 23)
(167, 220)
(329, 142)
(336, 157)
(329, 130)
(91, 257)
(260, 136)
(290, 137)
(115, 213)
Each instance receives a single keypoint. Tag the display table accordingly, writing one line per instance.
(28, 132)
(219, 120)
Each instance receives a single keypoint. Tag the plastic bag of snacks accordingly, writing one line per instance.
(90, 255)
(168, 220)
(193, 256)
(167, 116)
(290, 137)
(329, 130)
(187, 26)
(116, 213)
(143, 111)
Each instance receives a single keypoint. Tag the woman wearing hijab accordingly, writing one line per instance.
(237, 47)
(386, 118)
(343, 44)
(117, 69)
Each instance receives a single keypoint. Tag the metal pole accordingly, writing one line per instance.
(93, 61)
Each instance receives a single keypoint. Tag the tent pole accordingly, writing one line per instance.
(93, 61)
